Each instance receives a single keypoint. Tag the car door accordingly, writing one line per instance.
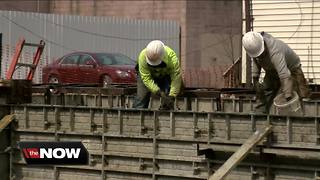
(68, 70)
(88, 71)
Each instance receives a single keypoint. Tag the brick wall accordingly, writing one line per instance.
(30, 5)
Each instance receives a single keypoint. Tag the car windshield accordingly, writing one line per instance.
(114, 59)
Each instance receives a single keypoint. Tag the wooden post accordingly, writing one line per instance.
(239, 155)
(5, 121)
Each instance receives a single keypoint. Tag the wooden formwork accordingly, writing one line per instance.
(126, 143)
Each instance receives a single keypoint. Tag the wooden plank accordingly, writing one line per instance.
(240, 154)
(5, 121)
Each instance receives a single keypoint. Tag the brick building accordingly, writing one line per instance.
(210, 29)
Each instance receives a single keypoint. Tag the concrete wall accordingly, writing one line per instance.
(213, 43)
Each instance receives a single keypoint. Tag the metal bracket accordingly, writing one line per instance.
(253, 170)
(196, 169)
(316, 175)
(6, 150)
(143, 165)
(254, 173)
(144, 130)
(93, 126)
(197, 132)
(106, 163)
(92, 161)
(47, 124)
(257, 149)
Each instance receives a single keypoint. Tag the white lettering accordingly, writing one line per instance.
(56, 154)
(44, 152)
(73, 152)
(60, 153)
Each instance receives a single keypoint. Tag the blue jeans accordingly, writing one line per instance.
(143, 93)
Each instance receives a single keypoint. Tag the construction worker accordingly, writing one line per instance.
(158, 70)
(281, 64)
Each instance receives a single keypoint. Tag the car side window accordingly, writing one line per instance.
(106, 60)
(72, 59)
(84, 59)
(123, 60)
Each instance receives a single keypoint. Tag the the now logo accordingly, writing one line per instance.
(57, 153)
(60, 153)
(54, 153)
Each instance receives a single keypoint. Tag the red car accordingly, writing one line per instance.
(87, 68)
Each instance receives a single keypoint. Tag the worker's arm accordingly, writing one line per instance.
(175, 74)
(145, 75)
(279, 62)
(256, 68)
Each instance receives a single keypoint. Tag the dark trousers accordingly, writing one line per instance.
(143, 94)
(268, 90)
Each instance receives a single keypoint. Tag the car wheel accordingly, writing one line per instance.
(106, 80)
(53, 80)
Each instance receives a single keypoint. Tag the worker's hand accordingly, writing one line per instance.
(167, 103)
(287, 88)
(161, 94)
(257, 86)
(255, 82)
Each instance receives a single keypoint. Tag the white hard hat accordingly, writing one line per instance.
(154, 52)
(253, 43)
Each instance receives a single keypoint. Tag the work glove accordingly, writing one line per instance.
(167, 103)
(255, 82)
(161, 94)
(257, 87)
(287, 88)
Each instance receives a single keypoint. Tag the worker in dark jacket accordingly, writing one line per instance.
(281, 64)
(158, 70)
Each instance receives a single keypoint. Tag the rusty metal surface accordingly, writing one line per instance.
(206, 77)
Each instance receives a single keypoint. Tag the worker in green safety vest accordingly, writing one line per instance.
(158, 72)
(281, 64)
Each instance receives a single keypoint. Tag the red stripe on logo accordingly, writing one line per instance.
(26, 155)
(33, 152)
